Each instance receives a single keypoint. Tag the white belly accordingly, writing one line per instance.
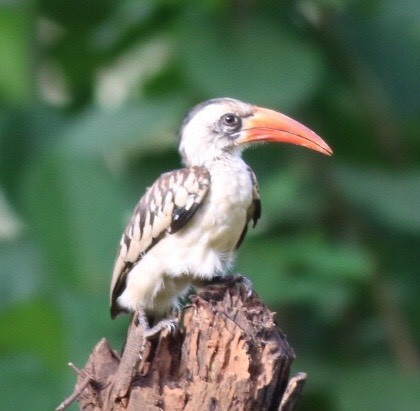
(205, 247)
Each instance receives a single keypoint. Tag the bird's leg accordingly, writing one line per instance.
(142, 319)
(244, 281)
(149, 332)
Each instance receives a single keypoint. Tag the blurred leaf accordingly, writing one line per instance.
(257, 61)
(368, 386)
(331, 261)
(305, 270)
(28, 385)
(287, 196)
(15, 61)
(78, 13)
(86, 315)
(393, 31)
(21, 274)
(33, 326)
(377, 388)
(389, 199)
(74, 207)
(24, 133)
(10, 223)
(148, 126)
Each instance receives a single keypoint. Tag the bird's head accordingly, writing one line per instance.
(225, 126)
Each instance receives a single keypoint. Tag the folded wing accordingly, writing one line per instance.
(166, 207)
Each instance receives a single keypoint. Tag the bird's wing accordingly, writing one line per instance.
(164, 209)
(254, 210)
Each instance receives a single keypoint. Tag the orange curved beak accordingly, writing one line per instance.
(271, 126)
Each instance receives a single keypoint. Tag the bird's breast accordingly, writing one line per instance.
(224, 213)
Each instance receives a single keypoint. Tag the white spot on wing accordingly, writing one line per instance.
(136, 231)
(181, 195)
(189, 182)
(160, 224)
(190, 202)
(179, 178)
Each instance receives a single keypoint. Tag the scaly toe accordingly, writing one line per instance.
(170, 324)
(245, 282)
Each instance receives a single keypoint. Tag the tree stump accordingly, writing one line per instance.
(229, 354)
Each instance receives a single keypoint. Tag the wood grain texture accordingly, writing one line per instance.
(228, 355)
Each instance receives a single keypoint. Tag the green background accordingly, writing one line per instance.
(92, 94)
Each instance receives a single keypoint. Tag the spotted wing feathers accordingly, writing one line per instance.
(165, 208)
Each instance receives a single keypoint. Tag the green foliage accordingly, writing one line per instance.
(392, 198)
(249, 63)
(92, 95)
(15, 28)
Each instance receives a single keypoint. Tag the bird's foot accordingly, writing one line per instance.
(243, 281)
(170, 324)
(149, 332)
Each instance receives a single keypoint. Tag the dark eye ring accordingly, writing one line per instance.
(231, 121)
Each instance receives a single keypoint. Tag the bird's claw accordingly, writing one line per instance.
(245, 282)
(170, 324)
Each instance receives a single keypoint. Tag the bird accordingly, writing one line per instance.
(188, 225)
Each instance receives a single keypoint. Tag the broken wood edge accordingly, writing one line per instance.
(293, 392)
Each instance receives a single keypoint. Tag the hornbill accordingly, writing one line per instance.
(186, 228)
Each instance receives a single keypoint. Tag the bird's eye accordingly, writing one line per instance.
(230, 122)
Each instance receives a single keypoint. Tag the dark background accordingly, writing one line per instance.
(92, 94)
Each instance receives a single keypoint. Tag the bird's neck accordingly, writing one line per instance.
(209, 161)
(226, 161)
(228, 201)
(228, 171)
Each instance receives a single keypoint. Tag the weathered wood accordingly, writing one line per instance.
(229, 354)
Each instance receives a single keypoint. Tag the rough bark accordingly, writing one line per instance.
(229, 354)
